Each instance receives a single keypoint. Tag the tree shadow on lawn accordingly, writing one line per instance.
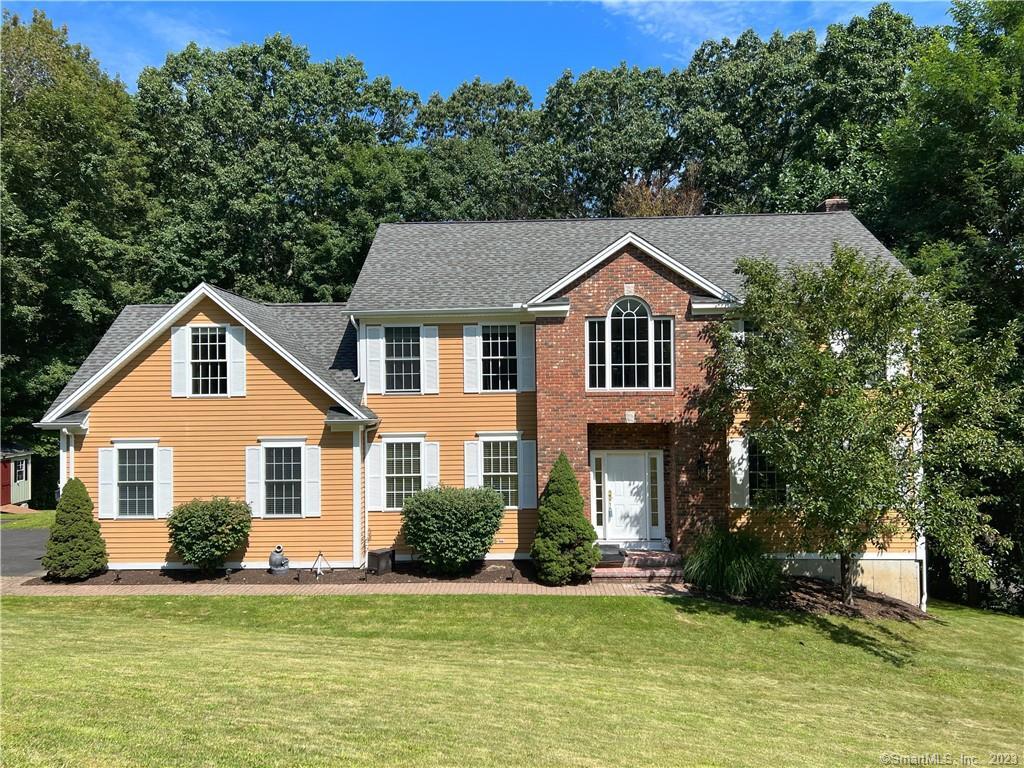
(872, 637)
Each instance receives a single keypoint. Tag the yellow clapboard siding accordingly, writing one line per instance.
(209, 436)
(450, 418)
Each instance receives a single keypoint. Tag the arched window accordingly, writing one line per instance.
(628, 349)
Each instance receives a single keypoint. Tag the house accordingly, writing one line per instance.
(469, 353)
(15, 474)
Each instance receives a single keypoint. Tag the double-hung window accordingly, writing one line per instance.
(402, 359)
(629, 349)
(498, 358)
(209, 357)
(501, 469)
(766, 486)
(20, 470)
(403, 475)
(135, 482)
(282, 478)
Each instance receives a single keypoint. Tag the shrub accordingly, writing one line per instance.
(732, 563)
(205, 532)
(451, 527)
(75, 549)
(563, 550)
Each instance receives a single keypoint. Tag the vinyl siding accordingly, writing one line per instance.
(450, 418)
(209, 436)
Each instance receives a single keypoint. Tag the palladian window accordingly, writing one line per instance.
(629, 349)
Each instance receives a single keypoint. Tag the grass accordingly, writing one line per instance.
(495, 681)
(16, 522)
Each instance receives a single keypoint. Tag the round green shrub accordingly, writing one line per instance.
(732, 563)
(75, 549)
(452, 527)
(563, 550)
(205, 532)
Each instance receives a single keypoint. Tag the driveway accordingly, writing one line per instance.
(21, 551)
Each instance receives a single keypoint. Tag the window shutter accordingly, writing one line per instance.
(431, 464)
(179, 361)
(527, 474)
(374, 359)
(236, 360)
(108, 484)
(311, 482)
(375, 477)
(471, 358)
(473, 479)
(526, 362)
(429, 384)
(164, 481)
(253, 478)
(739, 473)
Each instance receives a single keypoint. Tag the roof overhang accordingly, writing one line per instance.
(514, 312)
(76, 423)
(339, 420)
(200, 292)
(630, 239)
(705, 306)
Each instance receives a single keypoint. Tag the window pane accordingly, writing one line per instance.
(209, 361)
(501, 469)
(402, 472)
(655, 490)
(135, 482)
(663, 353)
(629, 344)
(596, 350)
(598, 493)
(283, 480)
(498, 357)
(766, 487)
(402, 359)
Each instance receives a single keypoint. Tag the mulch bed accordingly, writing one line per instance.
(404, 573)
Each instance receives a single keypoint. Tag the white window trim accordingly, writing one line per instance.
(497, 437)
(384, 391)
(480, 359)
(152, 443)
(282, 442)
(399, 437)
(188, 361)
(607, 318)
(23, 464)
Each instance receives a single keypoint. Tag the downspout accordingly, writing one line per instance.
(366, 516)
(62, 470)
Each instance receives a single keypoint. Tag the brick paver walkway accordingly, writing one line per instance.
(15, 586)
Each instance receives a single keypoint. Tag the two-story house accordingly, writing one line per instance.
(469, 353)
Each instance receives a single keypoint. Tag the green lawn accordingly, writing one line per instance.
(495, 681)
(14, 522)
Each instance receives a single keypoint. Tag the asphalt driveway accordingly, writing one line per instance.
(21, 551)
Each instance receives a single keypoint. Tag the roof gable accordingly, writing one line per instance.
(302, 334)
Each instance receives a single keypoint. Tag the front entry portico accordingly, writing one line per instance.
(627, 504)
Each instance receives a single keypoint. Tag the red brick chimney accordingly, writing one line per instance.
(834, 204)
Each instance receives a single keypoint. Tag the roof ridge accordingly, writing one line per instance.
(583, 219)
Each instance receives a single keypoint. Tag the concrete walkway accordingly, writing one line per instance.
(11, 586)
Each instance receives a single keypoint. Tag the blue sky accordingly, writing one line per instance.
(429, 47)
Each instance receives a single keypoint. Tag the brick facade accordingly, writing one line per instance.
(576, 421)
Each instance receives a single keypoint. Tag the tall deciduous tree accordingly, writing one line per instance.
(845, 364)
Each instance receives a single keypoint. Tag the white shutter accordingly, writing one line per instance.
(526, 357)
(429, 384)
(311, 482)
(164, 481)
(108, 484)
(527, 474)
(375, 359)
(473, 476)
(471, 358)
(253, 479)
(431, 464)
(236, 360)
(179, 361)
(375, 477)
(739, 473)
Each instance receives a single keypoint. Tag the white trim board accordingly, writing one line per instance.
(198, 293)
(636, 241)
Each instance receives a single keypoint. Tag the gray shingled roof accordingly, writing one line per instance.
(453, 265)
(318, 335)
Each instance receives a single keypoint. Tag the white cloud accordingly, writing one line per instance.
(176, 28)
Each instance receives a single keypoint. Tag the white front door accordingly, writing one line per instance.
(626, 503)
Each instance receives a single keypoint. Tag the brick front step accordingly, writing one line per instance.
(659, 575)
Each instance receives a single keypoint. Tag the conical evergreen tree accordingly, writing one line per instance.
(75, 549)
(563, 551)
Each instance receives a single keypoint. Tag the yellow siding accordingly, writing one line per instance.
(209, 436)
(450, 418)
